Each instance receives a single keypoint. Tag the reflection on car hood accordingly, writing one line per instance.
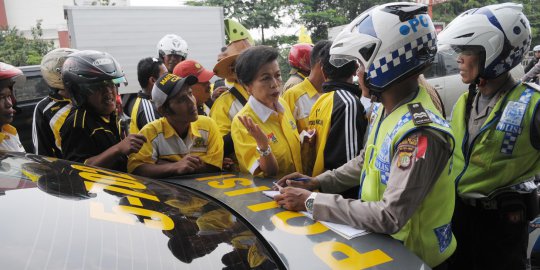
(62, 215)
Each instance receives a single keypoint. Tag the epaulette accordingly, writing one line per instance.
(418, 114)
(533, 86)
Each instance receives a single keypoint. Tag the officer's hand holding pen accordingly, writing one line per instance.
(297, 180)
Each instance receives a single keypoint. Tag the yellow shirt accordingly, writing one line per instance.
(162, 142)
(9, 139)
(300, 99)
(226, 107)
(282, 135)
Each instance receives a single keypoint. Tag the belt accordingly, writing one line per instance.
(481, 203)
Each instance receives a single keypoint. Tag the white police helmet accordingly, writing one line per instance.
(501, 32)
(393, 41)
(172, 44)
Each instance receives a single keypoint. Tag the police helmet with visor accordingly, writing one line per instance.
(499, 34)
(391, 41)
(172, 44)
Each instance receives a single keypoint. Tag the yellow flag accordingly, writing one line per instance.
(303, 36)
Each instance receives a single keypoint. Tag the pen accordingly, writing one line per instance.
(277, 186)
(301, 179)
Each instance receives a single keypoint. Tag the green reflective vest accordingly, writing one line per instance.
(501, 155)
(428, 233)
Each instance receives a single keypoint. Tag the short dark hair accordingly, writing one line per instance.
(334, 73)
(148, 67)
(316, 51)
(251, 60)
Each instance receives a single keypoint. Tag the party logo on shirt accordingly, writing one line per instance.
(199, 145)
(271, 137)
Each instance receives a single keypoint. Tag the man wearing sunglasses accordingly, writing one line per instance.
(92, 134)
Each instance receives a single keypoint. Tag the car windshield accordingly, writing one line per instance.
(57, 214)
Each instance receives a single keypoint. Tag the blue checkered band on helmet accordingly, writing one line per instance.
(512, 127)
(500, 66)
(386, 69)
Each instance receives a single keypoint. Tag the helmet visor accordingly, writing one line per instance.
(339, 60)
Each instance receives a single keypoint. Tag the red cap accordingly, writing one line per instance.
(192, 67)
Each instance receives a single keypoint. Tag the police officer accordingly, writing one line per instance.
(497, 139)
(51, 112)
(92, 134)
(404, 171)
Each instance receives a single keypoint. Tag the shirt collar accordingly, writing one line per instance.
(310, 89)
(169, 131)
(262, 111)
(7, 130)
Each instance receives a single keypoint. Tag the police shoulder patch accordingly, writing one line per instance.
(419, 114)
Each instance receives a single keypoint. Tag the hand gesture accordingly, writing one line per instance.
(131, 144)
(255, 131)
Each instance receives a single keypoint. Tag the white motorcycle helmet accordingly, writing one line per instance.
(172, 44)
(501, 32)
(393, 41)
(51, 66)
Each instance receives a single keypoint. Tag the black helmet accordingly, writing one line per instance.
(84, 70)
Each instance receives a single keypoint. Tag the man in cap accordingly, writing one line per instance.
(51, 112)
(201, 90)
(181, 141)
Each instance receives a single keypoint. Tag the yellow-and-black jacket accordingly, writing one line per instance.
(339, 120)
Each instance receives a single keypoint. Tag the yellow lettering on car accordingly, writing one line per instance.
(112, 180)
(155, 220)
(230, 183)
(354, 259)
(96, 170)
(280, 221)
(221, 176)
(97, 211)
(93, 187)
(244, 191)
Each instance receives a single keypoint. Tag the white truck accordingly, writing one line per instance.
(132, 33)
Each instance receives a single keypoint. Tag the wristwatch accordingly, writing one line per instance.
(309, 202)
(265, 152)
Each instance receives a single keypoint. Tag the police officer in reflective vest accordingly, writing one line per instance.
(404, 169)
(496, 126)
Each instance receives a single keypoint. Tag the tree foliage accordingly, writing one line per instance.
(17, 50)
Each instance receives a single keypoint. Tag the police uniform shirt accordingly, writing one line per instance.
(49, 116)
(300, 99)
(142, 112)
(338, 118)
(163, 143)
(480, 112)
(86, 134)
(280, 129)
(9, 139)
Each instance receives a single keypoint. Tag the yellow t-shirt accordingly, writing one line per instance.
(9, 139)
(279, 127)
(226, 107)
(300, 99)
(162, 142)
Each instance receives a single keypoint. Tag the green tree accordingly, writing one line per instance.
(17, 50)
(253, 14)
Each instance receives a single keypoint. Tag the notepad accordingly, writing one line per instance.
(344, 231)
(271, 193)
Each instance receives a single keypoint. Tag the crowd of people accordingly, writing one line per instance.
(378, 154)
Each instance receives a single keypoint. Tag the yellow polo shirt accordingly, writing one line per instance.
(226, 107)
(162, 142)
(9, 139)
(300, 99)
(279, 127)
